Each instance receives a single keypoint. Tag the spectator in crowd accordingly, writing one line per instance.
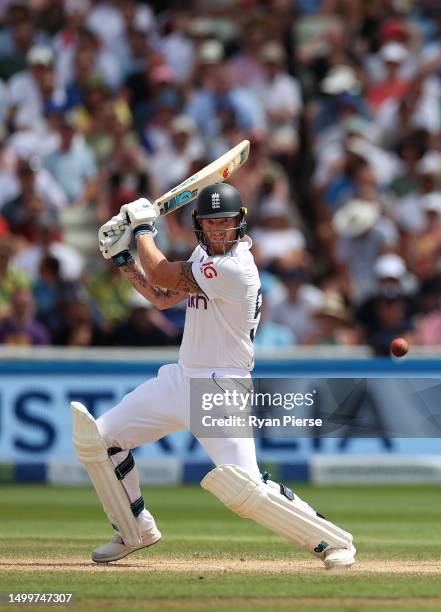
(391, 273)
(216, 89)
(276, 242)
(334, 326)
(73, 166)
(407, 210)
(147, 79)
(30, 90)
(145, 326)
(111, 292)
(362, 235)
(171, 164)
(25, 214)
(424, 247)
(393, 87)
(65, 41)
(98, 118)
(103, 63)
(48, 241)
(390, 319)
(49, 290)
(177, 46)
(164, 103)
(128, 174)
(79, 327)
(20, 327)
(261, 178)
(245, 66)
(11, 278)
(281, 100)
(342, 99)
(428, 319)
(296, 311)
(16, 39)
(26, 178)
(110, 21)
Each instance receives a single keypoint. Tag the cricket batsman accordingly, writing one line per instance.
(221, 284)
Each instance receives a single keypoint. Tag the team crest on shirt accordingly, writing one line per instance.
(215, 200)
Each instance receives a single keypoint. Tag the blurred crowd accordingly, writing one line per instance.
(104, 101)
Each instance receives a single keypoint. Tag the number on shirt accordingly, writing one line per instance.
(257, 309)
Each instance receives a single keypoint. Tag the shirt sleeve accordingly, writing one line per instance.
(194, 255)
(220, 279)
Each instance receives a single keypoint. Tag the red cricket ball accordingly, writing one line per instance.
(399, 347)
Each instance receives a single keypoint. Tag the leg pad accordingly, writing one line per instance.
(92, 452)
(273, 508)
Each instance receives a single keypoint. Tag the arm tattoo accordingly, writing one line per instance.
(135, 274)
(186, 280)
(160, 292)
(157, 295)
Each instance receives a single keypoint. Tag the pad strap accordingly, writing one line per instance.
(123, 468)
(137, 506)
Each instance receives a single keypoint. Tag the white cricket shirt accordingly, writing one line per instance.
(220, 325)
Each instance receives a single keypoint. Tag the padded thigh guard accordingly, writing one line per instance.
(92, 452)
(275, 507)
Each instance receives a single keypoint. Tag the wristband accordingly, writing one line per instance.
(143, 230)
(122, 258)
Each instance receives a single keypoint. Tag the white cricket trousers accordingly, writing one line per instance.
(155, 409)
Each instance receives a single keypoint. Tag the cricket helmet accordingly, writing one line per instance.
(219, 201)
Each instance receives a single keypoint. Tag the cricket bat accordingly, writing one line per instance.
(217, 172)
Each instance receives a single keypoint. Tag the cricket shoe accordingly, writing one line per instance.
(116, 549)
(339, 557)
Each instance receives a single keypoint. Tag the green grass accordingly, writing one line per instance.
(47, 534)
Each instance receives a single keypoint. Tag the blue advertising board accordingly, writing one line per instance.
(35, 416)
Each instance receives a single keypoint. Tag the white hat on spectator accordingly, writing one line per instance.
(272, 52)
(201, 26)
(274, 208)
(340, 79)
(390, 265)
(430, 163)
(183, 123)
(333, 307)
(211, 52)
(359, 146)
(394, 52)
(40, 55)
(431, 202)
(356, 217)
(356, 124)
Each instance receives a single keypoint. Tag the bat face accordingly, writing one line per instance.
(217, 172)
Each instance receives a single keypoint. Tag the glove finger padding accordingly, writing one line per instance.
(116, 226)
(112, 240)
(140, 212)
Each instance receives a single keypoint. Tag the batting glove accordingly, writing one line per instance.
(114, 239)
(141, 215)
